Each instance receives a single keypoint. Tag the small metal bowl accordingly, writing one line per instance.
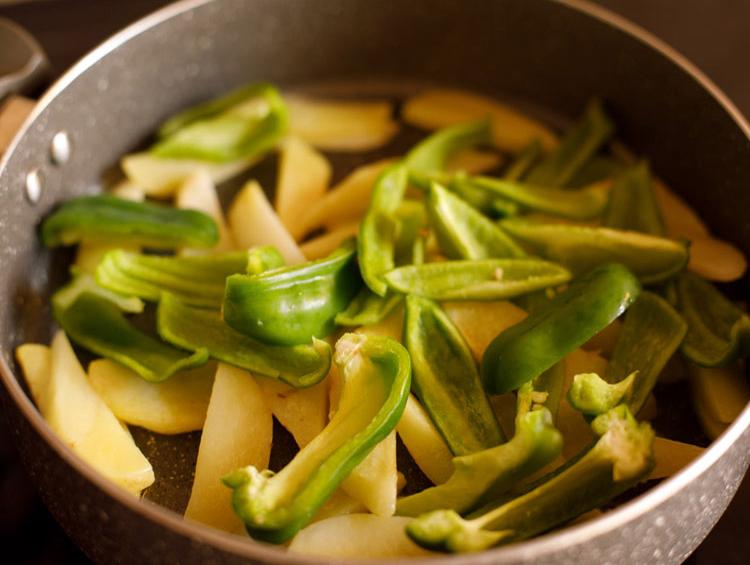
(550, 55)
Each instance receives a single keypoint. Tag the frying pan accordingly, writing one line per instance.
(549, 56)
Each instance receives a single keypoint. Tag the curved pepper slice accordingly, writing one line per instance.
(197, 328)
(632, 203)
(718, 331)
(621, 457)
(291, 305)
(242, 124)
(446, 380)
(379, 229)
(376, 375)
(592, 395)
(486, 279)
(580, 248)
(578, 145)
(650, 335)
(83, 282)
(527, 349)
(463, 232)
(106, 218)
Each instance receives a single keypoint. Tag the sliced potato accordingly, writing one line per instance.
(160, 177)
(303, 412)
(303, 178)
(481, 322)
(237, 432)
(671, 456)
(723, 390)
(358, 536)
(253, 221)
(339, 504)
(324, 245)
(175, 406)
(473, 162)
(81, 419)
(391, 326)
(346, 202)
(442, 107)
(716, 260)
(36, 363)
(424, 442)
(710, 424)
(13, 112)
(680, 220)
(198, 192)
(334, 125)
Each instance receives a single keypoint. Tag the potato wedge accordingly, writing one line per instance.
(35, 360)
(481, 322)
(161, 177)
(303, 178)
(303, 411)
(358, 536)
(391, 326)
(324, 245)
(198, 192)
(424, 442)
(716, 260)
(175, 406)
(680, 220)
(81, 419)
(723, 390)
(237, 432)
(442, 107)
(346, 202)
(13, 112)
(340, 504)
(347, 126)
(253, 221)
(671, 456)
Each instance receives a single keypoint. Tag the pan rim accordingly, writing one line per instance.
(244, 547)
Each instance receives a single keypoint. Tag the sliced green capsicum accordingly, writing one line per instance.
(376, 374)
(527, 349)
(291, 305)
(109, 219)
(523, 162)
(592, 395)
(632, 203)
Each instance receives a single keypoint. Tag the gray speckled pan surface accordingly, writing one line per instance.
(547, 54)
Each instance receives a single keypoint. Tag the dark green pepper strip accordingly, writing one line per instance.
(492, 472)
(198, 280)
(241, 125)
(109, 219)
(523, 162)
(263, 258)
(621, 457)
(651, 333)
(487, 279)
(446, 380)
(426, 161)
(291, 305)
(527, 349)
(592, 395)
(98, 325)
(718, 332)
(652, 259)
(378, 231)
(581, 204)
(83, 282)
(463, 232)
(578, 145)
(376, 375)
(632, 203)
(197, 328)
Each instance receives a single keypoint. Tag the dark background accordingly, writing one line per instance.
(714, 34)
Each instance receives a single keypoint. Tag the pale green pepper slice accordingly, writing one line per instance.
(632, 203)
(376, 376)
(592, 395)
(83, 282)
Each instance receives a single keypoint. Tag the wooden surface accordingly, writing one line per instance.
(715, 34)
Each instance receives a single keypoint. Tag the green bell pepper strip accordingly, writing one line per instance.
(376, 374)
(652, 259)
(527, 349)
(621, 457)
(596, 169)
(98, 325)
(578, 145)
(263, 258)
(378, 231)
(718, 332)
(523, 162)
(486, 279)
(582, 204)
(592, 395)
(197, 328)
(243, 124)
(446, 380)
(486, 202)
(427, 160)
(490, 473)
(83, 282)
(291, 305)
(198, 280)
(463, 232)
(109, 219)
(650, 335)
(632, 203)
